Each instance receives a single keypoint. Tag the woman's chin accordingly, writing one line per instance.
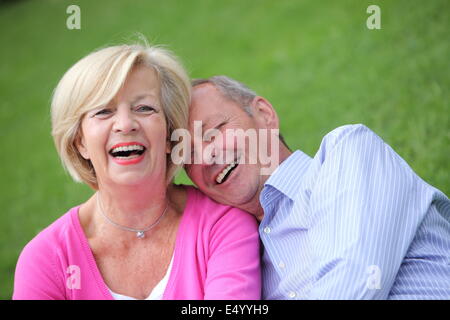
(135, 178)
(128, 181)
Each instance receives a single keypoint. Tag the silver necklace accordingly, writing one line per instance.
(140, 234)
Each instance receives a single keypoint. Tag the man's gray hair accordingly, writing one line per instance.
(230, 89)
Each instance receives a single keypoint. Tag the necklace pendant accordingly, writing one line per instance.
(140, 234)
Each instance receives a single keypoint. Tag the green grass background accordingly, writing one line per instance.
(316, 61)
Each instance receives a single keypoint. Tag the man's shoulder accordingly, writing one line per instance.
(346, 132)
(349, 136)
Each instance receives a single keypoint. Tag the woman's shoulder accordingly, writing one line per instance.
(204, 209)
(47, 241)
(38, 273)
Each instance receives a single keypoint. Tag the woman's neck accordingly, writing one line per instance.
(135, 206)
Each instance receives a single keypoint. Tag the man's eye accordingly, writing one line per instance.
(221, 125)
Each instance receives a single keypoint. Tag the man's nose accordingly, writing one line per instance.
(209, 153)
(203, 152)
(125, 122)
(213, 152)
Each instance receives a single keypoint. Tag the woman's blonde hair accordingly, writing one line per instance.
(95, 80)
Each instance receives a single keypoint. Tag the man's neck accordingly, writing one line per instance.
(255, 207)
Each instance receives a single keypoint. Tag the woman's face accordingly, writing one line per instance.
(126, 140)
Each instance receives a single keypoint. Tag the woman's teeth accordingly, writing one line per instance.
(135, 147)
(127, 151)
(223, 174)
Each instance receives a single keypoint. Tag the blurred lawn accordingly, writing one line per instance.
(315, 61)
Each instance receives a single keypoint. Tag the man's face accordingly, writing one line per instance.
(226, 182)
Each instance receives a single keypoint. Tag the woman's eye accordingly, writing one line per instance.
(145, 109)
(103, 112)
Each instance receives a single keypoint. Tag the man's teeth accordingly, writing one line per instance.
(135, 147)
(224, 172)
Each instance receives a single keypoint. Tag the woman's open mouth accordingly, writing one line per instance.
(127, 153)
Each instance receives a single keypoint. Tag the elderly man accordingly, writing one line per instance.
(353, 222)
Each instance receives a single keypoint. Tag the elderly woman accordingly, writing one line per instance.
(139, 236)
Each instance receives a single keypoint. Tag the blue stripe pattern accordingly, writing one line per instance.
(354, 222)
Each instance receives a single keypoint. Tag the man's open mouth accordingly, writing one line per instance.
(127, 152)
(225, 173)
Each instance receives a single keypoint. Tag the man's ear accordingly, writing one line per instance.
(79, 144)
(265, 113)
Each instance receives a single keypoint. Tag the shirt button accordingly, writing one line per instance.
(282, 265)
(267, 230)
(292, 294)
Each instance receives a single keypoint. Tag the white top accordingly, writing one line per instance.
(157, 292)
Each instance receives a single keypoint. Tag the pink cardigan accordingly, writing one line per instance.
(216, 257)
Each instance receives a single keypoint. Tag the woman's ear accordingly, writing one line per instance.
(79, 144)
(168, 148)
(168, 144)
(265, 113)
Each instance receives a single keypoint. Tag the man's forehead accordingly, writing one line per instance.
(206, 96)
(210, 106)
(206, 99)
(205, 88)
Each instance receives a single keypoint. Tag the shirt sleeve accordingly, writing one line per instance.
(233, 271)
(366, 208)
(35, 277)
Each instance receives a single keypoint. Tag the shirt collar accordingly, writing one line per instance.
(287, 178)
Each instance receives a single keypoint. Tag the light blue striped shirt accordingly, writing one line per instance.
(354, 222)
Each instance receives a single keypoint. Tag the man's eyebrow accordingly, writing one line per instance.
(212, 119)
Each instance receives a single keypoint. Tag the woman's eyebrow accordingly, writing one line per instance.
(142, 96)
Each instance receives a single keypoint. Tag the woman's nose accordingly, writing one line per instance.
(125, 122)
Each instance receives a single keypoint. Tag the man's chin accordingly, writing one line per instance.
(249, 202)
